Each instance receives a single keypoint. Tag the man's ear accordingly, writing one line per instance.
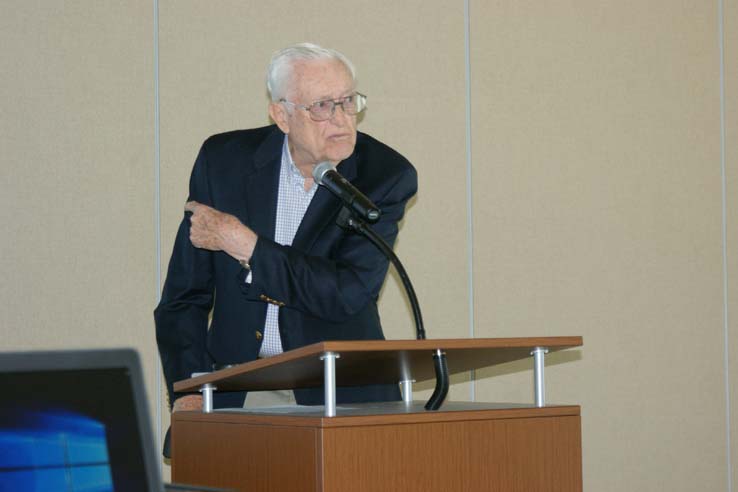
(278, 113)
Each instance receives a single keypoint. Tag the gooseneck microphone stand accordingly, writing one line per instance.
(347, 219)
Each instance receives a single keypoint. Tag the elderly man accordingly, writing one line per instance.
(262, 247)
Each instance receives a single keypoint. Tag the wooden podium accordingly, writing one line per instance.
(380, 446)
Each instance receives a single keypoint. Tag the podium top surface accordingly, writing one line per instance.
(372, 362)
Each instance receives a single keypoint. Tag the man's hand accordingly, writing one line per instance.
(217, 231)
(188, 403)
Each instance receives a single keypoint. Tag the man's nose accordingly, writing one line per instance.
(339, 117)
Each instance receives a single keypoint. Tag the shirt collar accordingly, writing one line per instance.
(288, 162)
(293, 173)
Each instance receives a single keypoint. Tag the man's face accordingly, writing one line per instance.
(311, 141)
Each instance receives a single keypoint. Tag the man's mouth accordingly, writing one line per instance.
(340, 136)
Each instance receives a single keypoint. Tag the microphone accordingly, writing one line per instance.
(325, 174)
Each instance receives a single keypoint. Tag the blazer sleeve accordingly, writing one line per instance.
(332, 288)
(181, 317)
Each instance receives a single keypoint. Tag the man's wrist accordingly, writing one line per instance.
(239, 242)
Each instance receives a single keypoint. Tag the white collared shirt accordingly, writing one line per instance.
(292, 203)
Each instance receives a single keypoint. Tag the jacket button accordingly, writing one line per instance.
(258, 335)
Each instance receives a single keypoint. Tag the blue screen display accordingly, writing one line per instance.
(70, 431)
(60, 451)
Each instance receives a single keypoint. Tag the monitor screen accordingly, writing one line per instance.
(70, 431)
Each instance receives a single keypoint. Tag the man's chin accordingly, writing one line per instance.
(339, 155)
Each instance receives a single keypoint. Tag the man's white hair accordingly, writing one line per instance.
(279, 73)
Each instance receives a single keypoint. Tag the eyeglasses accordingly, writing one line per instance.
(324, 110)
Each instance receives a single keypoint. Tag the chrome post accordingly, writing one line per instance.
(538, 375)
(406, 388)
(329, 382)
(207, 397)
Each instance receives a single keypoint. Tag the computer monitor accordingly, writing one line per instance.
(75, 421)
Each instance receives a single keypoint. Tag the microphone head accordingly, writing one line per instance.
(320, 170)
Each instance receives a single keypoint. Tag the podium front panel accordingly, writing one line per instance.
(499, 449)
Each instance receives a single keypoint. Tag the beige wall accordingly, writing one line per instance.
(595, 206)
(598, 211)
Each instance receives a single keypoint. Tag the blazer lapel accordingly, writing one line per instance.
(261, 183)
(323, 209)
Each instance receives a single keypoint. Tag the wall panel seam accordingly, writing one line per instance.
(157, 219)
(469, 196)
(726, 354)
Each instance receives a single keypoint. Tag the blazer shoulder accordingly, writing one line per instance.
(381, 170)
(234, 153)
(238, 140)
(380, 160)
(382, 157)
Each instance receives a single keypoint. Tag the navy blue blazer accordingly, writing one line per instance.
(326, 283)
